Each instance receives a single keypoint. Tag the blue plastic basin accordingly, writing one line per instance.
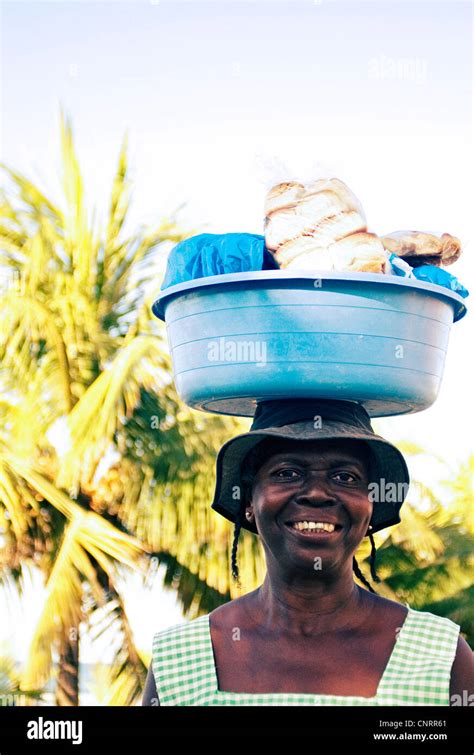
(239, 338)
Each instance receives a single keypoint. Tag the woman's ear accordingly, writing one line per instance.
(249, 514)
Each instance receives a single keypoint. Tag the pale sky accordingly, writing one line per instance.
(217, 97)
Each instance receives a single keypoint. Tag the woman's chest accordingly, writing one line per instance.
(337, 664)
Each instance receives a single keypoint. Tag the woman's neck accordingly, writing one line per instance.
(303, 608)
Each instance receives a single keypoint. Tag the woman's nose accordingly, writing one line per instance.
(316, 488)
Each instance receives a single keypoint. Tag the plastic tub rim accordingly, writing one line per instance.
(158, 307)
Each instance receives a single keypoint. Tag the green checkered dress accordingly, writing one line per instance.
(418, 671)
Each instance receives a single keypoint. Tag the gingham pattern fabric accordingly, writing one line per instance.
(417, 673)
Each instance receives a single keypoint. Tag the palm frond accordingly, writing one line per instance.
(88, 540)
(125, 677)
(28, 328)
(99, 537)
(37, 205)
(114, 394)
(119, 206)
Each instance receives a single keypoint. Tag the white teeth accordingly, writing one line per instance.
(314, 526)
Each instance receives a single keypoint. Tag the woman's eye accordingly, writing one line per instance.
(286, 474)
(345, 477)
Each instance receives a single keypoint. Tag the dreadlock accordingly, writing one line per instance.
(250, 466)
(373, 554)
(360, 576)
(235, 542)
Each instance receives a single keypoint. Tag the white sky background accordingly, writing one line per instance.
(215, 96)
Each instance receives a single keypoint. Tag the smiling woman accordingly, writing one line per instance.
(347, 464)
(309, 635)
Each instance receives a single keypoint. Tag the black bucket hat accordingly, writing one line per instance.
(294, 419)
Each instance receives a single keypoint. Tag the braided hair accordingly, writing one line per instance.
(250, 466)
(235, 542)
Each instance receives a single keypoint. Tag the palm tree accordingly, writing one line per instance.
(92, 430)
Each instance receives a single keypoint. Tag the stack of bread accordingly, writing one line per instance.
(322, 226)
(421, 248)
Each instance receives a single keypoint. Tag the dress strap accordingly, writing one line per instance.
(419, 669)
(183, 663)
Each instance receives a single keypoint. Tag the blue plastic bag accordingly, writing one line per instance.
(216, 254)
(432, 274)
(429, 274)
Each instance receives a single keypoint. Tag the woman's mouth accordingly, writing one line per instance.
(314, 529)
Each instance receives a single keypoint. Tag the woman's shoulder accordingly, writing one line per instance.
(387, 610)
(181, 628)
(434, 618)
(378, 618)
(234, 612)
(222, 615)
(431, 626)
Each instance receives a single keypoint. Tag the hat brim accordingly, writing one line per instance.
(390, 468)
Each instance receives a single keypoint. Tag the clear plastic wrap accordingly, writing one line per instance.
(314, 221)
(320, 225)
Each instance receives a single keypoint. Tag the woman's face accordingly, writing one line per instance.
(319, 482)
